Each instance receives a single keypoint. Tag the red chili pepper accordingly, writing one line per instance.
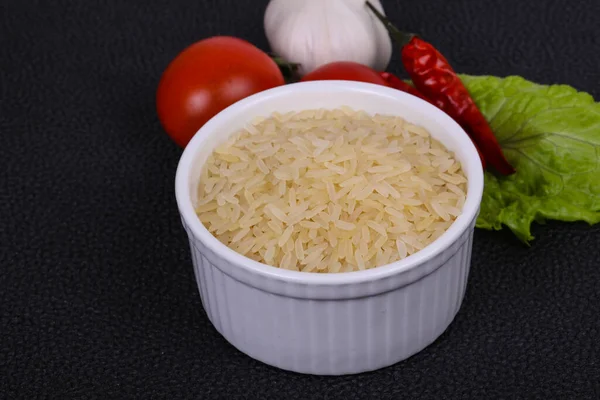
(434, 77)
(394, 82)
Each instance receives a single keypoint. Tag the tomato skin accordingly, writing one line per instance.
(207, 77)
(347, 71)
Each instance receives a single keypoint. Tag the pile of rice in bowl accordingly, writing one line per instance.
(330, 190)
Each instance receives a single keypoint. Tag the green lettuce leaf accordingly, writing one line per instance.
(551, 135)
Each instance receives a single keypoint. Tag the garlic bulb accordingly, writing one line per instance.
(316, 32)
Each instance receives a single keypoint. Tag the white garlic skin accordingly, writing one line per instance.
(316, 32)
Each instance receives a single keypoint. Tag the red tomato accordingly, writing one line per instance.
(207, 77)
(345, 71)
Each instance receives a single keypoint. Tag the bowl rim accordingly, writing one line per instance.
(452, 234)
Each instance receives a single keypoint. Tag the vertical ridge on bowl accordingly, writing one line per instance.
(463, 274)
(330, 337)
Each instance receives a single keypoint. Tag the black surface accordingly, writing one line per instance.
(97, 295)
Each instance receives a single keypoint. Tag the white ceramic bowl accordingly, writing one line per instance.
(331, 324)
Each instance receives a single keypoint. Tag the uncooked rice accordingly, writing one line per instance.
(330, 190)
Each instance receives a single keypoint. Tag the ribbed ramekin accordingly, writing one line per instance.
(331, 324)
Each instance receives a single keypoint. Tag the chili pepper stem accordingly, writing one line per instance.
(402, 38)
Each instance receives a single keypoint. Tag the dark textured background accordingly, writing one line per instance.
(97, 295)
